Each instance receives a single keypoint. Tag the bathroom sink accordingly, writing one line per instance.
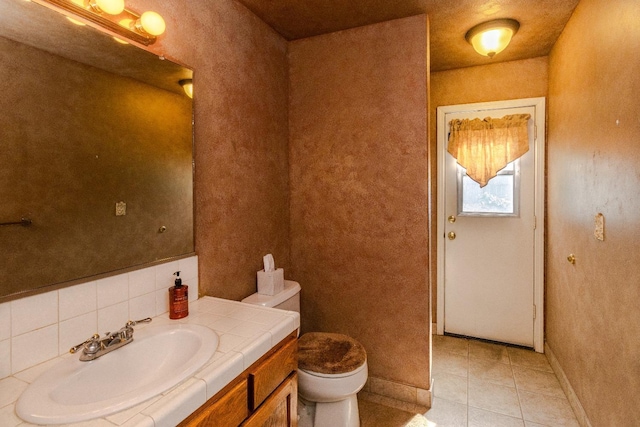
(158, 358)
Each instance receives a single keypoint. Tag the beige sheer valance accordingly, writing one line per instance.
(483, 147)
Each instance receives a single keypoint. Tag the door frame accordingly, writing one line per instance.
(539, 205)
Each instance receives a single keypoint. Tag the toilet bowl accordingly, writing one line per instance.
(332, 369)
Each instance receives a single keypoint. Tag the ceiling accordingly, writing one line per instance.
(541, 22)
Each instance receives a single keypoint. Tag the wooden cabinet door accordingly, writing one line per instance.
(280, 409)
(227, 411)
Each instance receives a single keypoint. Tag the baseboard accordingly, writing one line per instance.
(397, 395)
(578, 410)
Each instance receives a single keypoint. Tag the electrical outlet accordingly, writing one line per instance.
(121, 208)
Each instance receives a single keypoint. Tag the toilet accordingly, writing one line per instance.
(332, 368)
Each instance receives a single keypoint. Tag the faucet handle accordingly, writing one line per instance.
(75, 348)
(135, 322)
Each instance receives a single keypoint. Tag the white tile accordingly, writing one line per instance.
(230, 342)
(164, 274)
(480, 418)
(296, 318)
(193, 289)
(494, 398)
(112, 290)
(178, 403)
(282, 330)
(99, 422)
(254, 348)
(162, 301)
(268, 316)
(127, 415)
(445, 413)
(112, 318)
(221, 372)
(205, 319)
(142, 307)
(34, 347)
(142, 282)
(139, 421)
(451, 363)
(29, 375)
(77, 300)
(10, 389)
(31, 313)
(76, 330)
(225, 324)
(5, 358)
(188, 268)
(248, 329)
(450, 387)
(547, 410)
(5, 321)
(249, 312)
(8, 417)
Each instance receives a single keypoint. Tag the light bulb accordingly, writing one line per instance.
(75, 21)
(152, 23)
(112, 7)
(492, 42)
(187, 85)
(491, 38)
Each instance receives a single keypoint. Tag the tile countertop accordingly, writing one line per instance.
(246, 333)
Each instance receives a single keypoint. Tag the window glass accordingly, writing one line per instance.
(497, 198)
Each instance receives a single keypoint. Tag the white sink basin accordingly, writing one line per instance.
(158, 358)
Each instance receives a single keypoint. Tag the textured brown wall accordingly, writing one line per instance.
(241, 136)
(358, 155)
(593, 321)
(76, 140)
(506, 80)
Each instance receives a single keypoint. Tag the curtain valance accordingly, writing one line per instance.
(484, 147)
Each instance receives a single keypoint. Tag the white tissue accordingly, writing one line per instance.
(269, 263)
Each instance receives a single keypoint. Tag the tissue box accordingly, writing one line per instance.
(270, 282)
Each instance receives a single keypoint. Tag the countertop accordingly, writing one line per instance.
(246, 333)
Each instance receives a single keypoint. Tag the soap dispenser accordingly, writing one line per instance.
(178, 299)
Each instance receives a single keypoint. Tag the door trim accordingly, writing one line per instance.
(539, 168)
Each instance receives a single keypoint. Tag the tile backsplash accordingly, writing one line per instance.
(38, 328)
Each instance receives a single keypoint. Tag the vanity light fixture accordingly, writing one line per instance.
(492, 37)
(112, 7)
(114, 17)
(187, 85)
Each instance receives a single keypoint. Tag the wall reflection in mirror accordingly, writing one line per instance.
(96, 153)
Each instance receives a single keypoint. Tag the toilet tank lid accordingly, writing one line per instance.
(290, 289)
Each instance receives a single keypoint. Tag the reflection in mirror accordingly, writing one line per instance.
(96, 153)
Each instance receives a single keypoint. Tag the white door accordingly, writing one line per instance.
(489, 239)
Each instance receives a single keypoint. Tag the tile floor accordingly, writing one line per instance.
(478, 384)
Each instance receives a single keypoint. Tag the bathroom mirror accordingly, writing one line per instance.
(96, 154)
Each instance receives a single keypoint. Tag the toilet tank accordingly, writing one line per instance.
(288, 299)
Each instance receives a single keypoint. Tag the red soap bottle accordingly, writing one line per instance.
(178, 299)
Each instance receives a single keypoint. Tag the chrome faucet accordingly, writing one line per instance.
(95, 346)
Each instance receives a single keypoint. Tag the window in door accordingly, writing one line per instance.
(498, 198)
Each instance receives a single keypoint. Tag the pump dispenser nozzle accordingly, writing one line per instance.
(178, 281)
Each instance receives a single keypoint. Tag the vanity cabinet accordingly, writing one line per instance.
(264, 395)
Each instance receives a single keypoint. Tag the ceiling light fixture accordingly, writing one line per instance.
(187, 85)
(492, 37)
(108, 14)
